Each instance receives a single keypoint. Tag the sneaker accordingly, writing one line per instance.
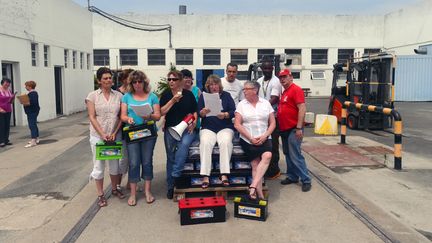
(2, 145)
(306, 187)
(170, 194)
(37, 141)
(30, 145)
(287, 181)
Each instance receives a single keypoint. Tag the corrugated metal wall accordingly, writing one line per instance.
(413, 78)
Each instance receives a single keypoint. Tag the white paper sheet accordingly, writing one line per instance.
(142, 110)
(212, 102)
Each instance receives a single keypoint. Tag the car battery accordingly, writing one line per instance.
(202, 210)
(138, 133)
(250, 209)
(109, 150)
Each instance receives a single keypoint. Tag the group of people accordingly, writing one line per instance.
(259, 111)
(31, 108)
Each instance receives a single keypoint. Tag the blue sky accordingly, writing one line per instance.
(343, 7)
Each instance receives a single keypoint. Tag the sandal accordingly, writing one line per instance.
(102, 202)
(225, 182)
(149, 198)
(205, 184)
(118, 194)
(253, 193)
(132, 201)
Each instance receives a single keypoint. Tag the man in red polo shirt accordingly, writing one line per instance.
(291, 113)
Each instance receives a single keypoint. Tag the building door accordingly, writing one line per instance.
(7, 72)
(202, 75)
(58, 74)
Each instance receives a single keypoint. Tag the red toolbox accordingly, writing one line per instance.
(202, 210)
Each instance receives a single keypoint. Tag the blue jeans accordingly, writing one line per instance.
(296, 164)
(140, 154)
(177, 152)
(32, 123)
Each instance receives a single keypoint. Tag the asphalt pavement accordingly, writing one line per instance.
(45, 195)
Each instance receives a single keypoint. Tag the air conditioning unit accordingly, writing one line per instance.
(317, 75)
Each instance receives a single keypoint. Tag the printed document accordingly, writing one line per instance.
(142, 110)
(213, 103)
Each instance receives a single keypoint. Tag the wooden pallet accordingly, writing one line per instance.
(226, 192)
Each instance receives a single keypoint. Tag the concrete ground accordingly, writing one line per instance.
(44, 193)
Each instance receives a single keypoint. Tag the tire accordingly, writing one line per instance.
(352, 122)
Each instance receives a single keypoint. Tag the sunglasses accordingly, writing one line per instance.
(173, 79)
(137, 81)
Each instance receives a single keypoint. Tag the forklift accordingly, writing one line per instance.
(368, 80)
(280, 61)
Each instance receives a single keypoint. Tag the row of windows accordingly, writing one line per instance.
(74, 59)
(46, 57)
(213, 57)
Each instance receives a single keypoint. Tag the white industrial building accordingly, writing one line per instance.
(49, 42)
(56, 43)
(206, 43)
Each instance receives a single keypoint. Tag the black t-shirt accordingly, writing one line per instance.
(186, 105)
(34, 103)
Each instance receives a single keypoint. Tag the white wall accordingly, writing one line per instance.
(408, 28)
(399, 32)
(241, 31)
(59, 24)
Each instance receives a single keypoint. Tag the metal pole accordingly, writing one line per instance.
(397, 140)
(343, 124)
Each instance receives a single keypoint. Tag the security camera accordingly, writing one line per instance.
(420, 51)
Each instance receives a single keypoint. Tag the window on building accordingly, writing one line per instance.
(156, 57)
(211, 56)
(242, 75)
(81, 60)
(101, 57)
(88, 62)
(46, 55)
(344, 55)
(371, 50)
(34, 54)
(317, 75)
(319, 56)
(66, 57)
(74, 59)
(295, 74)
(129, 57)
(264, 52)
(294, 55)
(239, 56)
(184, 56)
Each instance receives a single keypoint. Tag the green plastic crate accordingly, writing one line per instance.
(108, 151)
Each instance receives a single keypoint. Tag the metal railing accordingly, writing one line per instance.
(397, 128)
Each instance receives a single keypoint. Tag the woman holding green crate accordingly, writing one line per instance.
(103, 106)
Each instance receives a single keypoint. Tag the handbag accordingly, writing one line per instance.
(138, 133)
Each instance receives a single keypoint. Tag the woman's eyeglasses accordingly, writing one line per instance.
(137, 81)
(173, 79)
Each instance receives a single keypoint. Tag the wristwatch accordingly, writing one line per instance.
(297, 128)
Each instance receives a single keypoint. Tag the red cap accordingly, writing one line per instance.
(285, 72)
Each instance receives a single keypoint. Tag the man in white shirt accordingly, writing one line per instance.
(271, 90)
(231, 84)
